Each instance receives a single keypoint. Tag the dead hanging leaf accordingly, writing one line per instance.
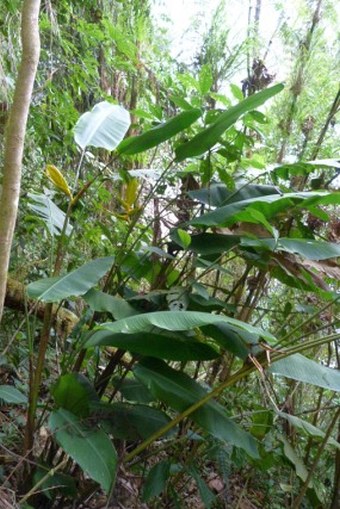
(58, 179)
(293, 267)
(327, 267)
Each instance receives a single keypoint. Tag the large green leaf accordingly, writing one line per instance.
(176, 321)
(208, 137)
(171, 347)
(179, 391)
(130, 422)
(48, 211)
(74, 393)
(10, 394)
(207, 244)
(269, 206)
(77, 282)
(217, 194)
(308, 428)
(104, 126)
(88, 446)
(159, 134)
(133, 390)
(105, 303)
(305, 370)
(233, 339)
(307, 248)
(303, 168)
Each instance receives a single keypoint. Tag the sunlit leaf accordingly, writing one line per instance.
(208, 137)
(58, 179)
(159, 134)
(103, 127)
(305, 370)
(77, 282)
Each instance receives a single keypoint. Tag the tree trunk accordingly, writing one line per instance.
(15, 134)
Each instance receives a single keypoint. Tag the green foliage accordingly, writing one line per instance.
(74, 283)
(209, 136)
(89, 446)
(9, 394)
(305, 370)
(207, 255)
(179, 391)
(159, 134)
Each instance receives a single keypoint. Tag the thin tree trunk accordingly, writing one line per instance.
(299, 81)
(333, 111)
(15, 135)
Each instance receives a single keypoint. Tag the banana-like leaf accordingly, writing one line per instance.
(179, 391)
(217, 194)
(104, 126)
(87, 445)
(171, 347)
(176, 321)
(305, 370)
(207, 244)
(77, 282)
(130, 422)
(208, 137)
(159, 134)
(307, 248)
(105, 303)
(308, 428)
(48, 211)
(269, 206)
(74, 392)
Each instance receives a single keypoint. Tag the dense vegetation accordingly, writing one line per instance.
(170, 332)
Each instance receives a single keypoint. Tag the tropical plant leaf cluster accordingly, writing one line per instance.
(193, 237)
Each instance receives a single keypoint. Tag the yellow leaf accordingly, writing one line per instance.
(58, 180)
(131, 192)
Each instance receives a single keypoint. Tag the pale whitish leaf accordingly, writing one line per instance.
(305, 370)
(48, 211)
(74, 283)
(103, 127)
(10, 394)
(88, 446)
